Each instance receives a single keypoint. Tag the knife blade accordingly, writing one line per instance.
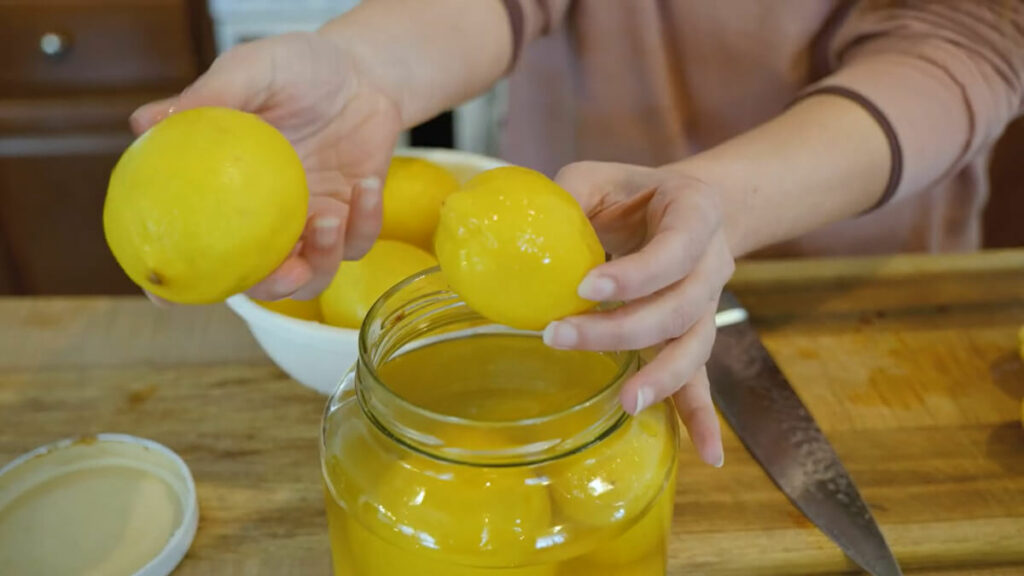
(759, 404)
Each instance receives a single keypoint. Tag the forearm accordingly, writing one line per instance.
(427, 56)
(822, 160)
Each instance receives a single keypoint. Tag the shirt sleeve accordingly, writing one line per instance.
(942, 77)
(531, 19)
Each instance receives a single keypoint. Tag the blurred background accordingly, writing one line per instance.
(71, 72)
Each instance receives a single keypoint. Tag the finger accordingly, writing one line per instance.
(651, 320)
(686, 224)
(365, 218)
(341, 231)
(697, 411)
(323, 243)
(156, 300)
(291, 275)
(676, 365)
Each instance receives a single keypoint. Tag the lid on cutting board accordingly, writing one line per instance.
(106, 504)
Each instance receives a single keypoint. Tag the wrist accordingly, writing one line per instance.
(730, 200)
(368, 70)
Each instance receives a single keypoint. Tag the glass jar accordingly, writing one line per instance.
(456, 447)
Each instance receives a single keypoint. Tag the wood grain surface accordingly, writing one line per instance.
(910, 365)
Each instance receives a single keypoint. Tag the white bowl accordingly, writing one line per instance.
(315, 354)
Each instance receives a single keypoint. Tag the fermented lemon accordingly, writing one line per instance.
(615, 481)
(413, 192)
(205, 204)
(372, 556)
(358, 284)
(301, 309)
(646, 539)
(514, 245)
(460, 515)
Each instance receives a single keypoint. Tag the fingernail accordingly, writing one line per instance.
(325, 231)
(284, 286)
(561, 335)
(596, 287)
(721, 461)
(643, 400)
(369, 195)
(156, 300)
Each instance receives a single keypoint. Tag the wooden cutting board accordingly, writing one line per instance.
(910, 365)
(912, 368)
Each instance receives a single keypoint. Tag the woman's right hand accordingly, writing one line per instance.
(342, 126)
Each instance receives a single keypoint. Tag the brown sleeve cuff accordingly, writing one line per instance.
(895, 150)
(516, 22)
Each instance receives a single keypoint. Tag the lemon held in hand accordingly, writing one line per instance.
(205, 204)
(515, 246)
(358, 284)
(413, 193)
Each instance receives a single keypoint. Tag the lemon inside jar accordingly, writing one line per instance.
(459, 447)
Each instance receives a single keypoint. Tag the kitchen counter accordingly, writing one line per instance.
(910, 364)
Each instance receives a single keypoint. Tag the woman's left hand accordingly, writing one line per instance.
(670, 262)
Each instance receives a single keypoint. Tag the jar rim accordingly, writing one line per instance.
(366, 362)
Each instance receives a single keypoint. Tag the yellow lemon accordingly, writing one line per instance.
(205, 204)
(301, 309)
(413, 193)
(372, 556)
(648, 538)
(616, 480)
(461, 514)
(514, 245)
(358, 284)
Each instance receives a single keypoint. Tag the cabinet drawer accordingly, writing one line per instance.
(59, 46)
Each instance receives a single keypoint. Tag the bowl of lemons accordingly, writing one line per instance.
(316, 341)
(211, 200)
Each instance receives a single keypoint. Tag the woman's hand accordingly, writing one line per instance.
(342, 126)
(670, 263)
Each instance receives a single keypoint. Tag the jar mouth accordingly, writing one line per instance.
(425, 300)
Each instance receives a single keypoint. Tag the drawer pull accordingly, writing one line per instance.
(54, 44)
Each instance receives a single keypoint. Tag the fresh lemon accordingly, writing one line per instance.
(413, 193)
(358, 284)
(615, 481)
(301, 309)
(515, 246)
(205, 204)
(461, 514)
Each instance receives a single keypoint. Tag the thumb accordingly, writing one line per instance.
(149, 114)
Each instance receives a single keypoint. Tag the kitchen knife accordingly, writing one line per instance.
(756, 400)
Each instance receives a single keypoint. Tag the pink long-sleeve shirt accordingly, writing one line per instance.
(653, 81)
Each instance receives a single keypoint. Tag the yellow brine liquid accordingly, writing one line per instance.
(604, 511)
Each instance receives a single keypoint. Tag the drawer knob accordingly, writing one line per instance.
(54, 44)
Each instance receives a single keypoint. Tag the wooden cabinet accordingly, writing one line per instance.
(72, 73)
(1004, 216)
